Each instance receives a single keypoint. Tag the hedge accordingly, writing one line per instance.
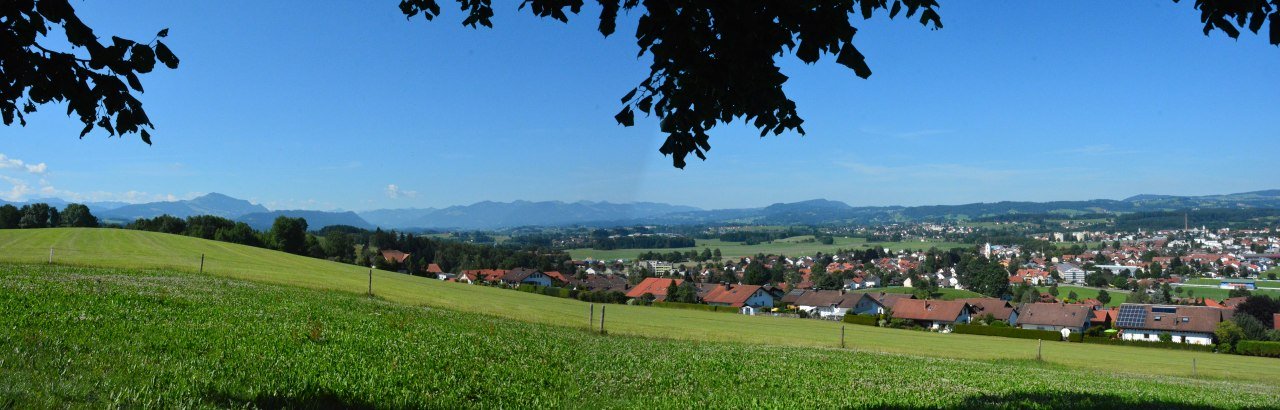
(1076, 337)
(1139, 343)
(1012, 332)
(1258, 348)
(868, 320)
(696, 306)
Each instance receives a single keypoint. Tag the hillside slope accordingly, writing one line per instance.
(79, 336)
(137, 249)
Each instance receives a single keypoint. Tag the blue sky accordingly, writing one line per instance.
(328, 105)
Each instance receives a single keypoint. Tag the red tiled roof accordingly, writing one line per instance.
(655, 286)
(434, 268)
(930, 310)
(733, 295)
(1055, 314)
(556, 276)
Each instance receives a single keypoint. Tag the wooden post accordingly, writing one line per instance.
(1193, 367)
(370, 282)
(602, 319)
(841, 336)
(50, 254)
(202, 263)
(591, 320)
(1039, 348)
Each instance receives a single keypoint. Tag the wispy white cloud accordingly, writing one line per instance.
(13, 163)
(1096, 149)
(394, 192)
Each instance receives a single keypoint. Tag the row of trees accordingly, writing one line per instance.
(643, 241)
(42, 215)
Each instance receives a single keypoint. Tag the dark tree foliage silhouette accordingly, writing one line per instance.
(713, 61)
(92, 83)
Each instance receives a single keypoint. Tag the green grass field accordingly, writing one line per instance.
(793, 246)
(943, 293)
(1117, 296)
(135, 249)
(1219, 294)
(113, 337)
(1262, 283)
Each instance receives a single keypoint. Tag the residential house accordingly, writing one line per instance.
(604, 283)
(999, 309)
(434, 270)
(828, 304)
(888, 300)
(739, 296)
(486, 275)
(933, 314)
(1055, 317)
(525, 276)
(1186, 324)
(392, 255)
(653, 286)
(556, 277)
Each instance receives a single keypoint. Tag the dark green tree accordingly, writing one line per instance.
(35, 216)
(289, 234)
(1104, 297)
(10, 216)
(78, 216)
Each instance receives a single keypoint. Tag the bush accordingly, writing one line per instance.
(1012, 332)
(1076, 338)
(866, 320)
(696, 306)
(1139, 343)
(529, 288)
(1258, 348)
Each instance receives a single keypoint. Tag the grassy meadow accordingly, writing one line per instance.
(136, 249)
(138, 338)
(1117, 296)
(793, 246)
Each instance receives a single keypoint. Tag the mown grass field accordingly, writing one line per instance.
(135, 249)
(114, 337)
(1262, 283)
(942, 293)
(794, 246)
(1117, 296)
(1219, 294)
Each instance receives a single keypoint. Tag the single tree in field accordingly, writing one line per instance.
(1104, 297)
(78, 216)
(289, 234)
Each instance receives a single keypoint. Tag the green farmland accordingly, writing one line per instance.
(1117, 296)
(113, 337)
(793, 246)
(135, 249)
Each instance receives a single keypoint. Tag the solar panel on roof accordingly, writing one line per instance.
(1164, 309)
(1131, 316)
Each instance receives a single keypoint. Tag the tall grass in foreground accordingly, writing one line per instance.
(90, 337)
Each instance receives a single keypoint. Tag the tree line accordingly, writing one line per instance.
(42, 215)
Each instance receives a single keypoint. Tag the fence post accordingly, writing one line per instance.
(50, 254)
(1193, 367)
(371, 282)
(202, 263)
(1039, 348)
(602, 319)
(591, 320)
(841, 336)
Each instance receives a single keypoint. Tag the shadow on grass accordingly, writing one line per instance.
(305, 400)
(1058, 400)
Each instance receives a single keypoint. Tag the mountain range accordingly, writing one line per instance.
(498, 215)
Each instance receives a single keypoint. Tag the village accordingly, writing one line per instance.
(1141, 287)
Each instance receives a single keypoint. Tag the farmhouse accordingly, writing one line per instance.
(526, 276)
(392, 255)
(739, 296)
(1186, 324)
(933, 314)
(1055, 317)
(824, 303)
(888, 300)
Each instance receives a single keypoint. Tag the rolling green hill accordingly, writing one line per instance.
(136, 249)
(115, 337)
